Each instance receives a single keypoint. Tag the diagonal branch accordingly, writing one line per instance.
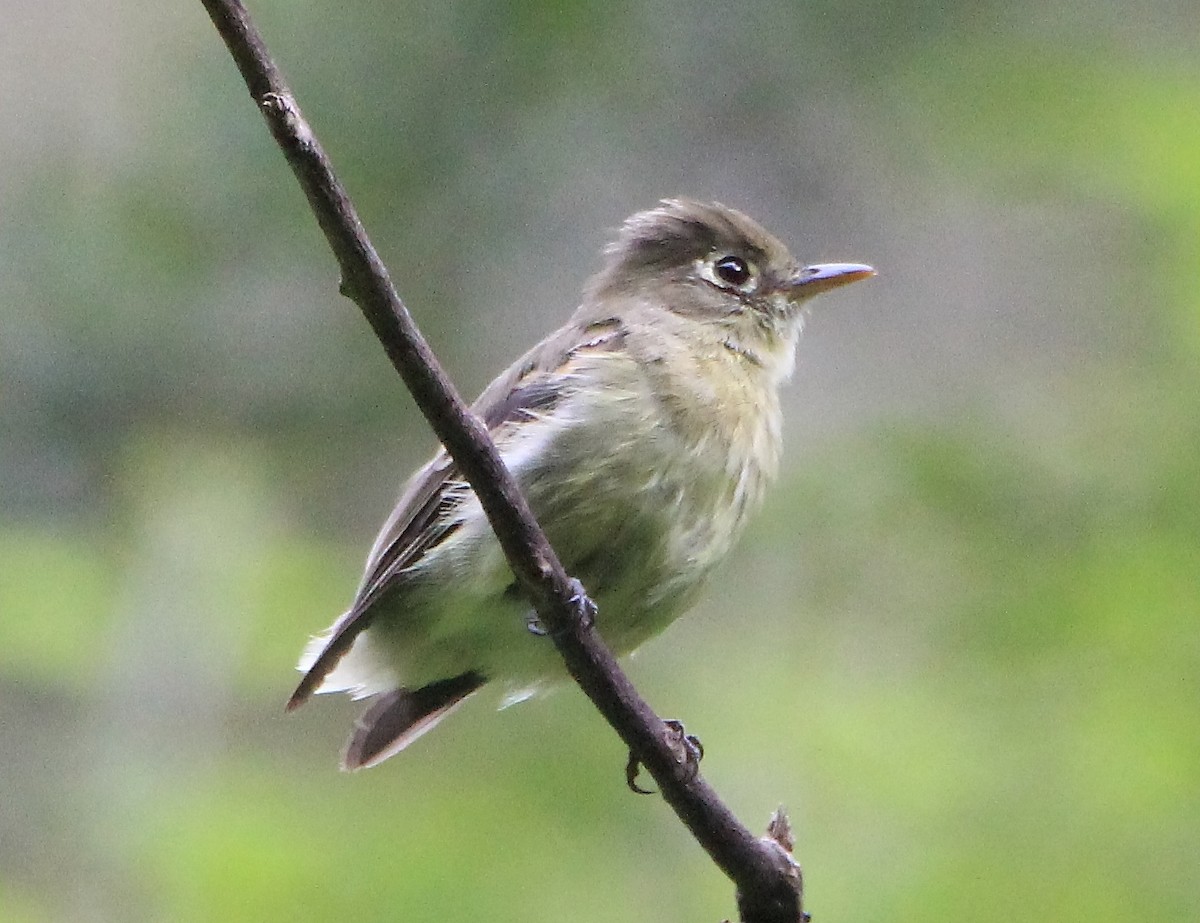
(768, 882)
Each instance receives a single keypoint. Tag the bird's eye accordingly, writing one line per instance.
(732, 270)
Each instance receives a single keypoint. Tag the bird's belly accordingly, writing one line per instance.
(639, 518)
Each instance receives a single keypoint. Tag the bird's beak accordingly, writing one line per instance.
(812, 280)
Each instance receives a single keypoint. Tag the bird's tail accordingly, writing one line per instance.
(397, 718)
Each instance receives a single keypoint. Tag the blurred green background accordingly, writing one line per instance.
(963, 643)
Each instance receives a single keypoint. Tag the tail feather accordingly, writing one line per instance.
(397, 718)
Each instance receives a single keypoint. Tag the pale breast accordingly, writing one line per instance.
(647, 483)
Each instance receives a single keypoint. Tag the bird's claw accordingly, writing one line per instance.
(688, 753)
(534, 626)
(631, 773)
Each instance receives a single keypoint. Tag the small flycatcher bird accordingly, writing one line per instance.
(643, 433)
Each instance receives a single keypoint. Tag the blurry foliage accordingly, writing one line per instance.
(1118, 135)
(961, 643)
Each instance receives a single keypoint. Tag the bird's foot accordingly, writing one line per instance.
(585, 611)
(585, 608)
(688, 753)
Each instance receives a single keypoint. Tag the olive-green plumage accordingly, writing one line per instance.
(643, 433)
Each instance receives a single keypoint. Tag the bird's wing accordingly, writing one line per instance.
(424, 516)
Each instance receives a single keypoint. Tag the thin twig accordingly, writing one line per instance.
(767, 880)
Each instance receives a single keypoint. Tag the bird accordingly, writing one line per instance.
(643, 432)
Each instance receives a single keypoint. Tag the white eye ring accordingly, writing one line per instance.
(730, 272)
